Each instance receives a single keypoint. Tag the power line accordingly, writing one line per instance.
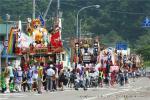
(71, 4)
(125, 12)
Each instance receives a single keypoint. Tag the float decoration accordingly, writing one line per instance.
(37, 40)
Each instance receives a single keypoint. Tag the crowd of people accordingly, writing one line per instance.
(49, 78)
(40, 76)
(32, 79)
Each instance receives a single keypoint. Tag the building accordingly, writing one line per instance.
(65, 57)
(4, 28)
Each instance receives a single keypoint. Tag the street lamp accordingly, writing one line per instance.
(77, 30)
(80, 27)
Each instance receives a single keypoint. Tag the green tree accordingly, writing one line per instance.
(111, 38)
(143, 47)
(123, 16)
(143, 41)
(145, 52)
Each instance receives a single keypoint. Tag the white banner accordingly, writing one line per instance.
(86, 58)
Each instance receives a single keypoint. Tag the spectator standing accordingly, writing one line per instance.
(29, 79)
(54, 79)
(18, 79)
(61, 79)
(50, 72)
(40, 77)
(24, 81)
(7, 77)
(35, 77)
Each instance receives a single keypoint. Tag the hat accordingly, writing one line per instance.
(51, 65)
(19, 68)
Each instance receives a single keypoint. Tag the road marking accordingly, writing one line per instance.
(109, 94)
(91, 98)
(20, 96)
(12, 94)
(37, 94)
(3, 98)
(17, 95)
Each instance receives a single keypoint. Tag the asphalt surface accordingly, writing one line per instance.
(138, 90)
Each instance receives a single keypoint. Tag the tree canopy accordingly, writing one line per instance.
(121, 18)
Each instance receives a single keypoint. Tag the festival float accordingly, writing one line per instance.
(37, 44)
(84, 51)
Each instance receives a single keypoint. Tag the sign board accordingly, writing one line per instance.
(40, 50)
(146, 22)
(121, 46)
(86, 58)
(114, 68)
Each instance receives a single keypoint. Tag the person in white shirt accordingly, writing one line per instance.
(50, 73)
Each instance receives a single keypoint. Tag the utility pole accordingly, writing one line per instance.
(58, 8)
(58, 17)
(33, 16)
(47, 9)
(80, 27)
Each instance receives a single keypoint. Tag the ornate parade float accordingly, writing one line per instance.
(84, 51)
(37, 44)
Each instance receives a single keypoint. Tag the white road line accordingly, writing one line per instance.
(20, 96)
(37, 94)
(3, 98)
(16, 95)
(9, 94)
(109, 94)
(91, 98)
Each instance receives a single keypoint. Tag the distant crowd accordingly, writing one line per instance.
(39, 77)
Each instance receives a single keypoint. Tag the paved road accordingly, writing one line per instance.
(138, 90)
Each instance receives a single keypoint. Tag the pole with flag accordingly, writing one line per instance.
(42, 20)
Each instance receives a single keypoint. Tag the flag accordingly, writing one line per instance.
(42, 20)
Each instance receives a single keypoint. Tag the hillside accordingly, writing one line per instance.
(115, 20)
